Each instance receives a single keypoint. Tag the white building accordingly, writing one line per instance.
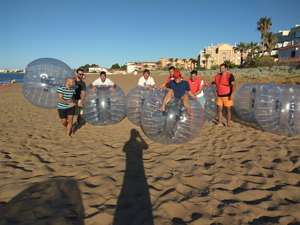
(131, 67)
(291, 52)
(97, 69)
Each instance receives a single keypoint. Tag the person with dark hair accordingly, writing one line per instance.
(196, 85)
(225, 84)
(80, 88)
(66, 104)
(171, 72)
(103, 82)
(179, 89)
(146, 80)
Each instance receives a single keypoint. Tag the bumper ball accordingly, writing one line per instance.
(134, 102)
(42, 79)
(245, 99)
(104, 107)
(277, 109)
(171, 126)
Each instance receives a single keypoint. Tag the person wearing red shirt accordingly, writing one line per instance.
(196, 85)
(225, 90)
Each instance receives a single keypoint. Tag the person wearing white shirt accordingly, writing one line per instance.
(103, 82)
(146, 80)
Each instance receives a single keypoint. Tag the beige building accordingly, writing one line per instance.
(218, 54)
(178, 63)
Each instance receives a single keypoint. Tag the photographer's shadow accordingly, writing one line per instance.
(134, 205)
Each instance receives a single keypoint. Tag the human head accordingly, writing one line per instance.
(79, 73)
(69, 82)
(177, 76)
(223, 68)
(103, 76)
(194, 75)
(171, 71)
(146, 74)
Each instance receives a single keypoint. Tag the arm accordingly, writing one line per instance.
(93, 87)
(200, 90)
(60, 97)
(231, 97)
(113, 87)
(82, 98)
(194, 96)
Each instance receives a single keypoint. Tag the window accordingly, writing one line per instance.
(293, 54)
(297, 34)
(224, 57)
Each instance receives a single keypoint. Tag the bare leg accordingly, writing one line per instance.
(64, 122)
(186, 104)
(228, 114)
(79, 117)
(220, 108)
(69, 126)
(168, 97)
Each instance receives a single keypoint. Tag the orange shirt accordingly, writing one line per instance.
(195, 85)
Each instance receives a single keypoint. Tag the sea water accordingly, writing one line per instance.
(19, 77)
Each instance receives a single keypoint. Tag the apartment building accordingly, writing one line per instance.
(178, 63)
(131, 67)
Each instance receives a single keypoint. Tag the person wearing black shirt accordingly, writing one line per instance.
(80, 88)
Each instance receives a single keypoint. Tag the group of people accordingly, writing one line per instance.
(71, 95)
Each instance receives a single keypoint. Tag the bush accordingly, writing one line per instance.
(214, 67)
(230, 64)
(200, 68)
(266, 61)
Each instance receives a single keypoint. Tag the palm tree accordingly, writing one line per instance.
(241, 47)
(159, 64)
(206, 56)
(264, 25)
(194, 62)
(270, 42)
(253, 46)
(176, 60)
(171, 60)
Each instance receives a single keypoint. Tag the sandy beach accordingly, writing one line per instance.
(116, 175)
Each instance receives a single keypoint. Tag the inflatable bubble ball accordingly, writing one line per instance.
(245, 98)
(134, 102)
(277, 109)
(104, 106)
(210, 102)
(171, 126)
(42, 79)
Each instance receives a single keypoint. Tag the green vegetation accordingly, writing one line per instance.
(86, 67)
(230, 64)
(264, 25)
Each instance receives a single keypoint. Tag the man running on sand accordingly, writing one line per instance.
(66, 104)
(225, 90)
(179, 89)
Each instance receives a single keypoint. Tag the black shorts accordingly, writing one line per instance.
(64, 113)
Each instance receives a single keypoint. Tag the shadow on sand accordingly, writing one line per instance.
(56, 201)
(134, 205)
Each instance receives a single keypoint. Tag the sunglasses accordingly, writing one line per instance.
(81, 74)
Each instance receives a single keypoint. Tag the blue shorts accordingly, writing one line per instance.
(202, 100)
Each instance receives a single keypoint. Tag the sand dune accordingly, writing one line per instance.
(116, 175)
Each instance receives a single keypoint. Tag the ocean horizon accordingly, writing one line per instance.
(6, 77)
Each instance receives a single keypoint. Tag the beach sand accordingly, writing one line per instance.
(116, 175)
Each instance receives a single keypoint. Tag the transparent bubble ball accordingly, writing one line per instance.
(171, 126)
(134, 102)
(210, 102)
(104, 107)
(245, 98)
(277, 109)
(42, 78)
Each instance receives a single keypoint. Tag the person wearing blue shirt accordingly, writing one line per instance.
(179, 89)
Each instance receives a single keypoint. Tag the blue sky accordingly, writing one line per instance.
(78, 32)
